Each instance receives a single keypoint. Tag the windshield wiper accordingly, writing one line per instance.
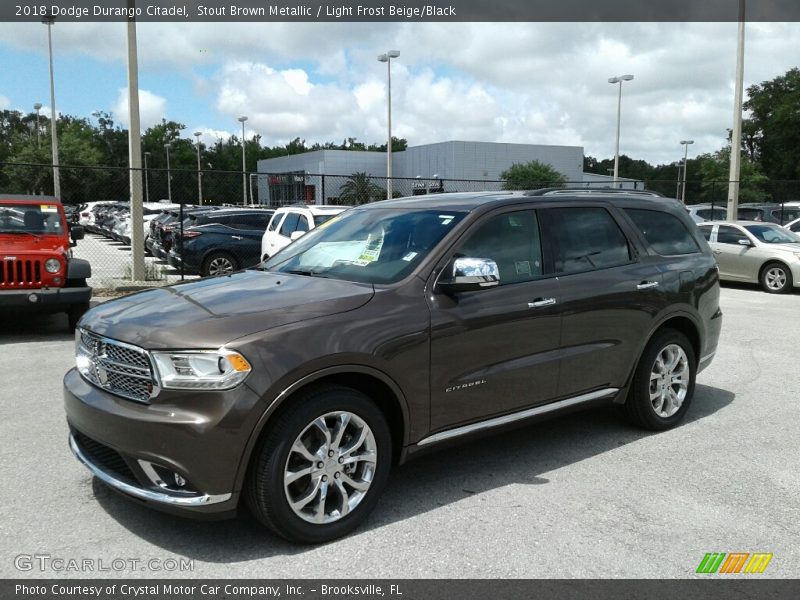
(20, 231)
(306, 272)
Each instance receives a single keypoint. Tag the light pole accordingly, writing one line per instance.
(241, 120)
(387, 58)
(49, 20)
(685, 144)
(37, 107)
(618, 80)
(734, 175)
(146, 179)
(169, 175)
(197, 134)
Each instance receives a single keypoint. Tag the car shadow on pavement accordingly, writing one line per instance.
(24, 327)
(430, 482)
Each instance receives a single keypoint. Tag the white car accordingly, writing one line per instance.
(794, 226)
(291, 222)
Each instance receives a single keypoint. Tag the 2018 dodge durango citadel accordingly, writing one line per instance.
(393, 328)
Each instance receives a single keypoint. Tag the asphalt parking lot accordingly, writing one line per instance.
(582, 496)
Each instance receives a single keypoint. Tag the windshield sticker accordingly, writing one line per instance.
(371, 251)
(48, 208)
(410, 256)
(523, 267)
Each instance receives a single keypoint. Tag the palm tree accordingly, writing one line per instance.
(359, 189)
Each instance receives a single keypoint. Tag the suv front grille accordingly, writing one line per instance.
(18, 273)
(119, 368)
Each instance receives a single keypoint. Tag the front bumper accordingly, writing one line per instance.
(135, 447)
(45, 299)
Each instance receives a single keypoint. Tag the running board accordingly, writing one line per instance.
(517, 416)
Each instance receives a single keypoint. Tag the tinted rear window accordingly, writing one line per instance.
(664, 232)
(585, 239)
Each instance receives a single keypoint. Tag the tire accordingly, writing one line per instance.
(361, 482)
(74, 315)
(219, 263)
(776, 278)
(651, 406)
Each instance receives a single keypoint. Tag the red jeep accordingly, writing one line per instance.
(37, 270)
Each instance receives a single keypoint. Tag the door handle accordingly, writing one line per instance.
(647, 285)
(236, 237)
(540, 302)
(717, 251)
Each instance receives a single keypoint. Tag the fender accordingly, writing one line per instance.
(277, 402)
(77, 268)
(622, 395)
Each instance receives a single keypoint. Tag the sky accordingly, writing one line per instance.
(540, 83)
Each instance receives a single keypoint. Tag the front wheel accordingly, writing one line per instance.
(219, 263)
(776, 278)
(321, 466)
(663, 384)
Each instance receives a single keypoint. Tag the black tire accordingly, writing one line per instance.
(214, 261)
(74, 315)
(639, 408)
(771, 276)
(264, 491)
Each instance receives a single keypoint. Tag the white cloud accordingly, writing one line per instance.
(4, 102)
(152, 108)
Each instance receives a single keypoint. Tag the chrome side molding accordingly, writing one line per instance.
(517, 416)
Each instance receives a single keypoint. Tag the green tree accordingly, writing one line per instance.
(530, 176)
(713, 171)
(772, 131)
(359, 189)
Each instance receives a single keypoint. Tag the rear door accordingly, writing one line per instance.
(245, 237)
(610, 291)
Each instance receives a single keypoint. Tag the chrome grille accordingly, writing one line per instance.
(18, 273)
(119, 368)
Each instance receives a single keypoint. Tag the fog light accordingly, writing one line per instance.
(57, 280)
(33, 298)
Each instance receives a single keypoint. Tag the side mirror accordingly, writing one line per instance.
(747, 243)
(466, 274)
(296, 235)
(76, 232)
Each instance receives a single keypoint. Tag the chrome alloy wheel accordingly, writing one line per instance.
(330, 467)
(220, 266)
(669, 380)
(775, 278)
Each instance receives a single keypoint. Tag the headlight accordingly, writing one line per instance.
(52, 265)
(201, 369)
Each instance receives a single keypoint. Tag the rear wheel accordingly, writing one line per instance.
(219, 263)
(663, 384)
(321, 466)
(776, 278)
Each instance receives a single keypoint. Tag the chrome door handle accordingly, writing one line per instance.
(236, 237)
(647, 285)
(541, 302)
(717, 251)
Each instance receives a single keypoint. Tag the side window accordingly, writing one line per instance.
(751, 214)
(250, 222)
(302, 223)
(276, 220)
(729, 235)
(706, 231)
(512, 241)
(795, 227)
(289, 224)
(665, 233)
(585, 239)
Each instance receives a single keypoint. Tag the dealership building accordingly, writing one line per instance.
(317, 177)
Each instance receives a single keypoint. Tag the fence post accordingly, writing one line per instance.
(323, 189)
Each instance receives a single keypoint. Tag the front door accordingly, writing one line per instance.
(495, 351)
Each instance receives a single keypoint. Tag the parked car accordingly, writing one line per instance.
(763, 253)
(162, 235)
(291, 222)
(794, 226)
(37, 271)
(706, 212)
(396, 328)
(222, 241)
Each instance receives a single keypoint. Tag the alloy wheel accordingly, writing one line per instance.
(220, 266)
(669, 380)
(775, 278)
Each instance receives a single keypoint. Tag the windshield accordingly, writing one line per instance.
(368, 245)
(772, 234)
(30, 218)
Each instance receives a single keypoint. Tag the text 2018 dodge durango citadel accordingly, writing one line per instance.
(393, 328)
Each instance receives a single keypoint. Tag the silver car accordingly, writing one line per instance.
(755, 252)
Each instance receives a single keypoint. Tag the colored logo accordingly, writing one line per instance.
(734, 562)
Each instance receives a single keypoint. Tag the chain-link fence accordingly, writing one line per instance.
(108, 227)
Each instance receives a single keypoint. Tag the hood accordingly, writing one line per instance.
(22, 243)
(212, 312)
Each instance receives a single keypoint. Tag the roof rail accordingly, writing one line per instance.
(595, 191)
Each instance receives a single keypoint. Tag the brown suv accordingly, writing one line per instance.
(393, 328)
